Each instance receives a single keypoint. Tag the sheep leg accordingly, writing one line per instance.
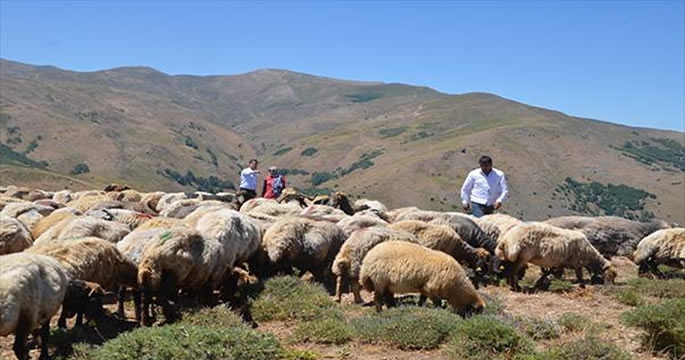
(579, 277)
(19, 347)
(121, 298)
(356, 290)
(378, 300)
(422, 300)
(545, 273)
(389, 299)
(62, 321)
(437, 302)
(168, 295)
(338, 288)
(44, 335)
(146, 316)
(514, 276)
(137, 304)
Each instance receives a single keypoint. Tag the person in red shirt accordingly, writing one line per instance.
(274, 183)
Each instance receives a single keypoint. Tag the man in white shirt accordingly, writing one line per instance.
(484, 189)
(248, 180)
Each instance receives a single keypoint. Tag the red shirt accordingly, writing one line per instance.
(267, 190)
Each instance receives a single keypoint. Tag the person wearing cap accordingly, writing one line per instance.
(484, 189)
(248, 180)
(274, 183)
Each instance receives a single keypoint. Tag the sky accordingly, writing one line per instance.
(617, 61)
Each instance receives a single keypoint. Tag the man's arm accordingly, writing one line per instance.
(505, 191)
(466, 191)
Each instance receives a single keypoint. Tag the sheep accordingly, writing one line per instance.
(468, 230)
(128, 217)
(248, 205)
(25, 193)
(82, 226)
(51, 220)
(404, 267)
(32, 288)
(159, 222)
(348, 261)
(63, 196)
(87, 201)
(666, 246)
(323, 211)
(304, 243)
(127, 205)
(151, 199)
(178, 258)
(340, 201)
(4, 201)
(417, 214)
(181, 208)
(551, 247)
(27, 213)
(14, 237)
(366, 204)
(239, 235)
(502, 222)
(356, 222)
(615, 236)
(277, 209)
(169, 198)
(444, 238)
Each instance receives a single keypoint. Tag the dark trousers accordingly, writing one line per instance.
(248, 194)
(478, 210)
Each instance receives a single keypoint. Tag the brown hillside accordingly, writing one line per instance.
(404, 145)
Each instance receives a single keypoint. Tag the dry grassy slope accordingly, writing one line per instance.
(143, 117)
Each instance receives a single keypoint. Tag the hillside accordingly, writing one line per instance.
(404, 145)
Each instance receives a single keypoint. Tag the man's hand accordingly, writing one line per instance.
(497, 205)
(465, 206)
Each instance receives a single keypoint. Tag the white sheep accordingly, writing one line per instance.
(502, 222)
(403, 267)
(348, 260)
(82, 226)
(51, 220)
(323, 211)
(131, 218)
(350, 224)
(14, 237)
(32, 289)
(548, 246)
(665, 246)
(238, 234)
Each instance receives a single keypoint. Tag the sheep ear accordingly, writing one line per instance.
(109, 216)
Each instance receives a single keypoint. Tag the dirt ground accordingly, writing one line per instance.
(593, 302)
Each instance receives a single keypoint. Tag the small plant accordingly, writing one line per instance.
(81, 168)
(495, 305)
(297, 354)
(560, 285)
(391, 132)
(290, 298)
(670, 289)
(216, 316)
(486, 337)
(630, 297)
(282, 151)
(540, 329)
(588, 348)
(324, 331)
(664, 326)
(309, 151)
(407, 327)
(574, 322)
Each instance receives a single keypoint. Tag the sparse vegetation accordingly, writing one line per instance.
(310, 151)
(487, 337)
(597, 199)
(212, 184)
(330, 330)
(664, 326)
(420, 135)
(364, 97)
(321, 177)
(213, 157)
(9, 156)
(216, 316)
(282, 151)
(32, 145)
(293, 171)
(191, 143)
(666, 152)
(588, 348)
(91, 116)
(363, 163)
(80, 168)
(391, 132)
(290, 298)
(574, 322)
(540, 329)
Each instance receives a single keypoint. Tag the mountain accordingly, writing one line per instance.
(404, 145)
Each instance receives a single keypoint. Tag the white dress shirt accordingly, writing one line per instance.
(484, 189)
(248, 179)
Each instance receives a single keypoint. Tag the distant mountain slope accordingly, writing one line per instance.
(404, 145)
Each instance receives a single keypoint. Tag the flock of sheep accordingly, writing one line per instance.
(67, 249)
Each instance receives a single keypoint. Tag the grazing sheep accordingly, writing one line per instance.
(304, 243)
(83, 226)
(665, 246)
(32, 288)
(323, 211)
(87, 201)
(444, 238)
(402, 267)
(151, 200)
(502, 222)
(51, 220)
(468, 230)
(238, 234)
(615, 236)
(178, 259)
(356, 222)
(277, 209)
(348, 261)
(570, 222)
(25, 193)
(551, 247)
(366, 204)
(340, 201)
(181, 208)
(159, 222)
(14, 237)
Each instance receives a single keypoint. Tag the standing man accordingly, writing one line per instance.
(248, 180)
(484, 189)
(274, 183)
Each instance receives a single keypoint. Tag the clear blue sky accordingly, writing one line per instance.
(619, 61)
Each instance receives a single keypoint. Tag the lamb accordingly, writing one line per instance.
(665, 246)
(304, 243)
(32, 288)
(444, 238)
(14, 237)
(403, 267)
(82, 226)
(348, 261)
(551, 247)
(178, 258)
(351, 224)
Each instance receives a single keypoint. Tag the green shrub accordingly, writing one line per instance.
(282, 151)
(630, 297)
(619, 200)
(407, 327)
(297, 354)
(288, 298)
(321, 177)
(309, 151)
(80, 168)
(574, 322)
(217, 316)
(589, 348)
(540, 329)
(324, 331)
(364, 97)
(671, 288)
(190, 142)
(664, 326)
(560, 285)
(486, 337)
(191, 342)
(494, 305)
(391, 132)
